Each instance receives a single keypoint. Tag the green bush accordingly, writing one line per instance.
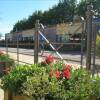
(79, 87)
(40, 86)
(5, 58)
(96, 87)
(52, 81)
(32, 81)
(6, 64)
(15, 79)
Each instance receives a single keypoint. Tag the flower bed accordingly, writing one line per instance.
(5, 63)
(51, 81)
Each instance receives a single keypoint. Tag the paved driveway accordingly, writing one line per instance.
(73, 57)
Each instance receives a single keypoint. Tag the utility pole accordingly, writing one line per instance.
(89, 14)
(36, 41)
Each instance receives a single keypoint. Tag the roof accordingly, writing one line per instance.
(64, 28)
(69, 28)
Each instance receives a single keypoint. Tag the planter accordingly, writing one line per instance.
(7, 95)
(21, 97)
(92, 97)
(18, 97)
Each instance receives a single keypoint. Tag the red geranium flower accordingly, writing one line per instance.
(49, 59)
(66, 74)
(67, 66)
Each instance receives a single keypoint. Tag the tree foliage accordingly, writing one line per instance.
(64, 11)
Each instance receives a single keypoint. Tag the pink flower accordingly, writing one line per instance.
(1, 53)
(56, 73)
(7, 70)
(67, 66)
(49, 59)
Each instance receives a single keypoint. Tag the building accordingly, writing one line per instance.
(59, 33)
(97, 21)
(68, 32)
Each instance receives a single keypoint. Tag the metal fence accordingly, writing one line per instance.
(33, 50)
(18, 48)
(22, 51)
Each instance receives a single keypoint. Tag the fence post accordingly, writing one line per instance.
(82, 41)
(6, 43)
(17, 47)
(36, 41)
(89, 36)
(94, 45)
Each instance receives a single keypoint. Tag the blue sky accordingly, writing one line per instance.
(13, 10)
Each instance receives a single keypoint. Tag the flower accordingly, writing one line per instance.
(49, 59)
(56, 73)
(66, 74)
(1, 53)
(67, 66)
(7, 70)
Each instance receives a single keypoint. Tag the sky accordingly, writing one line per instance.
(13, 10)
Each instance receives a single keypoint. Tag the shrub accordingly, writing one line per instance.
(5, 58)
(17, 77)
(39, 86)
(5, 63)
(79, 85)
(96, 87)
(52, 81)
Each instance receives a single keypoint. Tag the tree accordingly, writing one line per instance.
(82, 7)
(64, 11)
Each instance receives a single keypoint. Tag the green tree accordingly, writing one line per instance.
(82, 7)
(64, 11)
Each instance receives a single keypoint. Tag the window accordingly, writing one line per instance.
(62, 38)
(58, 38)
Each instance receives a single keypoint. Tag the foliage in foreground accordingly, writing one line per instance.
(52, 81)
(6, 63)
